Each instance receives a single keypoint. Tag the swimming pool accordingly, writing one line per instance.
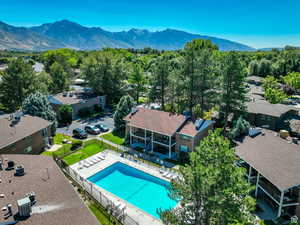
(135, 186)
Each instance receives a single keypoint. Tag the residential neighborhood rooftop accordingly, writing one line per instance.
(190, 127)
(275, 158)
(56, 200)
(264, 107)
(70, 98)
(157, 121)
(27, 125)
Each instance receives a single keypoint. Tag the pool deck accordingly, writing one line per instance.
(110, 158)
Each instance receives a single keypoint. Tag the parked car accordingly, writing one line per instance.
(79, 133)
(92, 129)
(102, 127)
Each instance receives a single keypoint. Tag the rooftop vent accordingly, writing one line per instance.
(19, 170)
(295, 140)
(10, 165)
(187, 114)
(16, 117)
(31, 197)
(24, 207)
(134, 110)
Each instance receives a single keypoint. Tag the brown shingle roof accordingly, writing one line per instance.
(157, 121)
(266, 108)
(56, 193)
(189, 128)
(26, 126)
(273, 157)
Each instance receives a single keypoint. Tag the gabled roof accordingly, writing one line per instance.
(190, 127)
(158, 121)
(27, 126)
(273, 157)
(266, 108)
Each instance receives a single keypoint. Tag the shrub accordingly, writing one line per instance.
(293, 80)
(275, 96)
(240, 127)
(66, 114)
(84, 112)
(97, 108)
(76, 145)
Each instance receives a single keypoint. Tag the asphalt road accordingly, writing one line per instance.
(106, 120)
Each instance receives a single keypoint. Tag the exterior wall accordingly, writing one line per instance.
(182, 140)
(36, 141)
(90, 103)
(262, 120)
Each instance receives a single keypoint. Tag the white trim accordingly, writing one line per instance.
(280, 204)
(267, 193)
(151, 130)
(257, 180)
(290, 204)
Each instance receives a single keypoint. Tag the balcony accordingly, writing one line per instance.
(290, 197)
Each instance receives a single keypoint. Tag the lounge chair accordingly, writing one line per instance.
(174, 176)
(86, 164)
(91, 162)
(169, 175)
(161, 170)
(80, 165)
(165, 174)
(102, 157)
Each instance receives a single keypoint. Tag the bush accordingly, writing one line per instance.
(275, 96)
(66, 114)
(97, 108)
(293, 80)
(240, 127)
(76, 145)
(84, 112)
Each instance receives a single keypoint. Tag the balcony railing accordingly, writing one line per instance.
(275, 193)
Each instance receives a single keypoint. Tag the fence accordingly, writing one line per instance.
(96, 194)
(143, 155)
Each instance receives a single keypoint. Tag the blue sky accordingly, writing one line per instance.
(258, 23)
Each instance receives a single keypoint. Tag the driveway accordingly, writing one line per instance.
(106, 120)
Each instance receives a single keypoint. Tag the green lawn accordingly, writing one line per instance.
(90, 148)
(102, 216)
(58, 138)
(117, 137)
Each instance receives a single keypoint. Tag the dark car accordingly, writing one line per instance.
(102, 127)
(92, 129)
(79, 133)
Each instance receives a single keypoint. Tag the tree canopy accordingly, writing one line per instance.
(211, 189)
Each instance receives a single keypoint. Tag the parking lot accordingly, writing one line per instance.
(106, 120)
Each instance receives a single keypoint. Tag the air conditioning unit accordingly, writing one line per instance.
(24, 207)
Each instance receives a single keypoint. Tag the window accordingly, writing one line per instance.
(45, 132)
(184, 148)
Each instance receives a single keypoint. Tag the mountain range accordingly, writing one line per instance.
(67, 34)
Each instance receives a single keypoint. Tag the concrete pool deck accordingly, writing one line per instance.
(112, 157)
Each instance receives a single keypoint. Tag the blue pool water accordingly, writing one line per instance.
(135, 186)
